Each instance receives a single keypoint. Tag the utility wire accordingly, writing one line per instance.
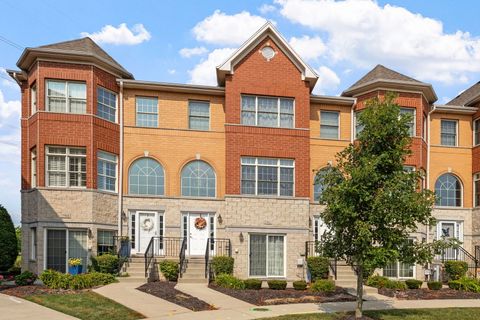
(11, 43)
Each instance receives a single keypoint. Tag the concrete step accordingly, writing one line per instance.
(191, 280)
(133, 279)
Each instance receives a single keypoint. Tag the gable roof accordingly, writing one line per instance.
(467, 97)
(268, 29)
(390, 79)
(79, 49)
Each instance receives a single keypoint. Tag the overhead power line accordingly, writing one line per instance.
(11, 43)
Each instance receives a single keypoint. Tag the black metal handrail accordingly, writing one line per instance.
(207, 260)
(181, 256)
(460, 254)
(477, 253)
(122, 250)
(149, 255)
(332, 263)
(216, 247)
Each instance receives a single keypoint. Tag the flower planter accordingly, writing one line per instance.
(74, 270)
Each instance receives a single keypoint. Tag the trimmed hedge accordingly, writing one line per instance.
(413, 283)
(395, 285)
(57, 280)
(299, 285)
(25, 278)
(456, 269)
(169, 269)
(377, 281)
(229, 281)
(105, 263)
(222, 264)
(254, 284)
(434, 285)
(277, 284)
(318, 267)
(465, 284)
(322, 285)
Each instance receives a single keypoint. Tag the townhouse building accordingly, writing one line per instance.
(176, 169)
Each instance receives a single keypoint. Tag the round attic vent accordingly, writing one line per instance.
(268, 52)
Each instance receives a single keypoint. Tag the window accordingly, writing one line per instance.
(448, 132)
(105, 242)
(106, 171)
(448, 191)
(33, 243)
(198, 115)
(66, 167)
(329, 125)
(267, 111)
(33, 168)
(63, 244)
(476, 189)
(198, 180)
(106, 104)
(264, 176)
(318, 184)
(424, 128)
(33, 99)
(267, 255)
(358, 127)
(64, 96)
(476, 132)
(147, 112)
(411, 123)
(146, 176)
(409, 169)
(397, 269)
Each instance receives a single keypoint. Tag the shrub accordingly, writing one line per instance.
(57, 280)
(323, 285)
(277, 284)
(253, 284)
(222, 265)
(318, 267)
(413, 283)
(299, 285)
(465, 284)
(105, 263)
(229, 281)
(17, 266)
(377, 281)
(169, 269)
(25, 278)
(395, 285)
(8, 241)
(434, 285)
(456, 269)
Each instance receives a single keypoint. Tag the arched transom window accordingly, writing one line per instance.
(448, 190)
(146, 176)
(198, 179)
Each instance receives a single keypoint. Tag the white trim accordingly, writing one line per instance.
(209, 114)
(116, 104)
(67, 156)
(66, 97)
(456, 132)
(99, 151)
(267, 235)
(279, 123)
(137, 213)
(187, 215)
(338, 124)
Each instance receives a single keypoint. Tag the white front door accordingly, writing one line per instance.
(450, 230)
(147, 228)
(199, 229)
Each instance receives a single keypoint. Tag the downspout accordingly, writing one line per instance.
(120, 162)
(352, 125)
(427, 233)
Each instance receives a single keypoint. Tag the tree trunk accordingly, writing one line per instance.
(359, 308)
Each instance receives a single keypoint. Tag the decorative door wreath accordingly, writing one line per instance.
(147, 224)
(200, 223)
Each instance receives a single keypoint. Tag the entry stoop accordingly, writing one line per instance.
(135, 267)
(195, 271)
(346, 278)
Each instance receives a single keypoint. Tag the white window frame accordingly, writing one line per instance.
(100, 159)
(424, 128)
(355, 120)
(462, 190)
(476, 177)
(33, 168)
(278, 166)
(475, 142)
(285, 238)
(398, 272)
(158, 232)
(67, 155)
(203, 117)
(33, 243)
(143, 112)
(414, 133)
(456, 132)
(67, 246)
(458, 228)
(338, 124)
(33, 99)
(105, 105)
(278, 110)
(67, 98)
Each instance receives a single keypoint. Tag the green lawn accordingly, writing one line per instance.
(86, 305)
(412, 314)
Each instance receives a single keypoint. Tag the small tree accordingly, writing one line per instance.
(372, 204)
(18, 234)
(8, 241)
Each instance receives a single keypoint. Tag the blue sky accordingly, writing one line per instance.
(434, 41)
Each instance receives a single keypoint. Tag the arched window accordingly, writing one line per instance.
(146, 176)
(318, 184)
(198, 179)
(448, 190)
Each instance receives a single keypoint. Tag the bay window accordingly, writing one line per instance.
(106, 104)
(267, 111)
(66, 167)
(476, 132)
(267, 255)
(66, 96)
(266, 176)
(476, 189)
(411, 123)
(106, 171)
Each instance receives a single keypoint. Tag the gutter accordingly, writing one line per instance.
(120, 162)
(427, 233)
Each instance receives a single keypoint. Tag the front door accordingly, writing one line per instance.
(147, 228)
(450, 230)
(56, 250)
(200, 228)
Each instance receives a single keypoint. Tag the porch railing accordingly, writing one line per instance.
(216, 247)
(311, 251)
(122, 247)
(182, 261)
(160, 246)
(460, 254)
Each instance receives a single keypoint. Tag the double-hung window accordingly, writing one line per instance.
(267, 111)
(66, 167)
(105, 241)
(476, 189)
(106, 171)
(199, 115)
(33, 99)
(329, 124)
(448, 132)
(147, 112)
(66, 96)
(267, 255)
(33, 168)
(358, 127)
(106, 104)
(476, 131)
(265, 176)
(411, 123)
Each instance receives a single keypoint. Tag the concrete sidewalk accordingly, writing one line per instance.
(16, 308)
(213, 297)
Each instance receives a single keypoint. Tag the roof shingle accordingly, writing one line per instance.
(382, 73)
(466, 96)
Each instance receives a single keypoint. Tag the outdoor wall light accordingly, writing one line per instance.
(220, 219)
(241, 237)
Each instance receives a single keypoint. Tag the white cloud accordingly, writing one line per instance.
(8, 109)
(189, 52)
(223, 29)
(171, 71)
(364, 33)
(327, 80)
(309, 48)
(205, 71)
(266, 8)
(120, 35)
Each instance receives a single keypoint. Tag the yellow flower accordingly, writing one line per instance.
(74, 261)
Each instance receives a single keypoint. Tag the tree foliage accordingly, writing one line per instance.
(8, 241)
(372, 203)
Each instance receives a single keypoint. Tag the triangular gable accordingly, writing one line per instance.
(267, 30)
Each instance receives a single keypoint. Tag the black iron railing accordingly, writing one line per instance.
(182, 266)
(149, 255)
(162, 247)
(216, 247)
(460, 254)
(311, 250)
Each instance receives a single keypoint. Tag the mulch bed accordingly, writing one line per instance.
(166, 290)
(23, 291)
(265, 297)
(427, 294)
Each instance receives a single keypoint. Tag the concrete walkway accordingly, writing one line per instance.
(16, 308)
(213, 297)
